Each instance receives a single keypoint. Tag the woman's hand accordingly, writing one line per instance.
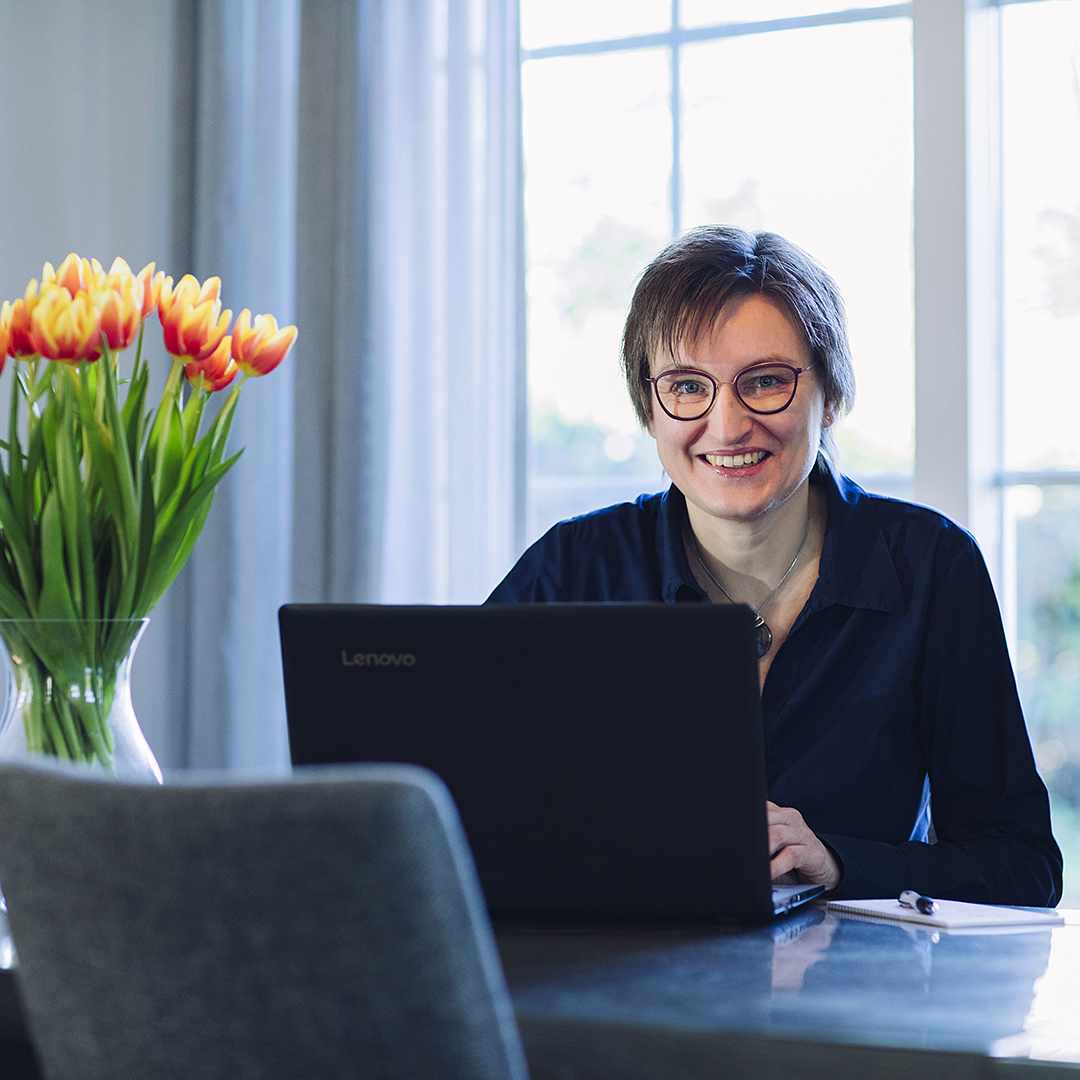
(798, 856)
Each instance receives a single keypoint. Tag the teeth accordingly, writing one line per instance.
(738, 461)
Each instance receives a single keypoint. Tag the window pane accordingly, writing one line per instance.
(821, 152)
(718, 12)
(1041, 290)
(1041, 177)
(1043, 525)
(597, 132)
(566, 22)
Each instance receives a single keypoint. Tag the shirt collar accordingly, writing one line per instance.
(676, 578)
(856, 568)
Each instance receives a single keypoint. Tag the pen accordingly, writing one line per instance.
(925, 904)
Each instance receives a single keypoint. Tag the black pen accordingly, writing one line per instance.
(926, 905)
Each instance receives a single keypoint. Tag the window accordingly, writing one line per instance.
(645, 117)
(673, 115)
(1040, 138)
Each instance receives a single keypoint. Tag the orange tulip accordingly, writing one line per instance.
(4, 335)
(95, 277)
(258, 348)
(16, 318)
(217, 370)
(73, 275)
(118, 273)
(120, 310)
(191, 317)
(63, 327)
(186, 293)
(152, 284)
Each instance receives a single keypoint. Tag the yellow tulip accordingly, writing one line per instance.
(151, 285)
(260, 346)
(16, 319)
(217, 370)
(191, 317)
(72, 275)
(63, 327)
(118, 274)
(120, 312)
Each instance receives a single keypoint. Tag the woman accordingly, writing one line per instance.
(885, 677)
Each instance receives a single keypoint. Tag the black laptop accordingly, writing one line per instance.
(606, 759)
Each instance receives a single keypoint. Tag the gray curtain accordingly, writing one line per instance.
(236, 152)
(410, 403)
(353, 167)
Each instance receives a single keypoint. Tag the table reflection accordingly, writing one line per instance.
(798, 944)
(7, 949)
(815, 974)
(901, 984)
(1052, 1025)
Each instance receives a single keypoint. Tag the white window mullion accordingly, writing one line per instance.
(676, 124)
(957, 267)
(941, 300)
(985, 288)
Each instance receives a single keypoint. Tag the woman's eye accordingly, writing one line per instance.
(689, 386)
(766, 383)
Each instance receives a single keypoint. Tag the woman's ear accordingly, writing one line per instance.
(828, 418)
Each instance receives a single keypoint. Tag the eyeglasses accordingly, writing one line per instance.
(688, 394)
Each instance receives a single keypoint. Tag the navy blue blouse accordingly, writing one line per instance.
(894, 685)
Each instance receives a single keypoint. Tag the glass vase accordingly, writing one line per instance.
(69, 695)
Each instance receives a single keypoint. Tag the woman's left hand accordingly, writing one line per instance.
(798, 856)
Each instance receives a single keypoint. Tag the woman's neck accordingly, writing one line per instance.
(750, 557)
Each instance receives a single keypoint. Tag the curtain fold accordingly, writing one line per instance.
(419, 471)
(338, 471)
(445, 135)
(355, 169)
(230, 706)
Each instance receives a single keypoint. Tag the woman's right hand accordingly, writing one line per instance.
(797, 856)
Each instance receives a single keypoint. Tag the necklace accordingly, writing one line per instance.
(764, 634)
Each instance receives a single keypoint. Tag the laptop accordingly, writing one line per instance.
(606, 759)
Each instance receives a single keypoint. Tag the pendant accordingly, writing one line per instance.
(764, 636)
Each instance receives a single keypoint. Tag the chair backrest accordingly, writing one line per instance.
(328, 925)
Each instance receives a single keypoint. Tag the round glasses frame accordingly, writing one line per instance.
(733, 383)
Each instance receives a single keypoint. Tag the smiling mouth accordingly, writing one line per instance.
(737, 461)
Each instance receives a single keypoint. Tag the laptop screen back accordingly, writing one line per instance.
(606, 759)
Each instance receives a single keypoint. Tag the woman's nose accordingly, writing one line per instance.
(729, 419)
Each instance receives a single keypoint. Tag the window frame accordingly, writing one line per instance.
(958, 301)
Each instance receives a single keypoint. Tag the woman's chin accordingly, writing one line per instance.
(737, 499)
(745, 510)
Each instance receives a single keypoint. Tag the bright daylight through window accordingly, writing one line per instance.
(643, 118)
(1040, 49)
(612, 172)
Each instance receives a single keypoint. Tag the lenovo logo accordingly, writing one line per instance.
(373, 659)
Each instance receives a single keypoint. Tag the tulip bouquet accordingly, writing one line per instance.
(102, 497)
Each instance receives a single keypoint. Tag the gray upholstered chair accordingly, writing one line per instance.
(326, 926)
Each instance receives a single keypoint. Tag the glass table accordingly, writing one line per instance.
(815, 995)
